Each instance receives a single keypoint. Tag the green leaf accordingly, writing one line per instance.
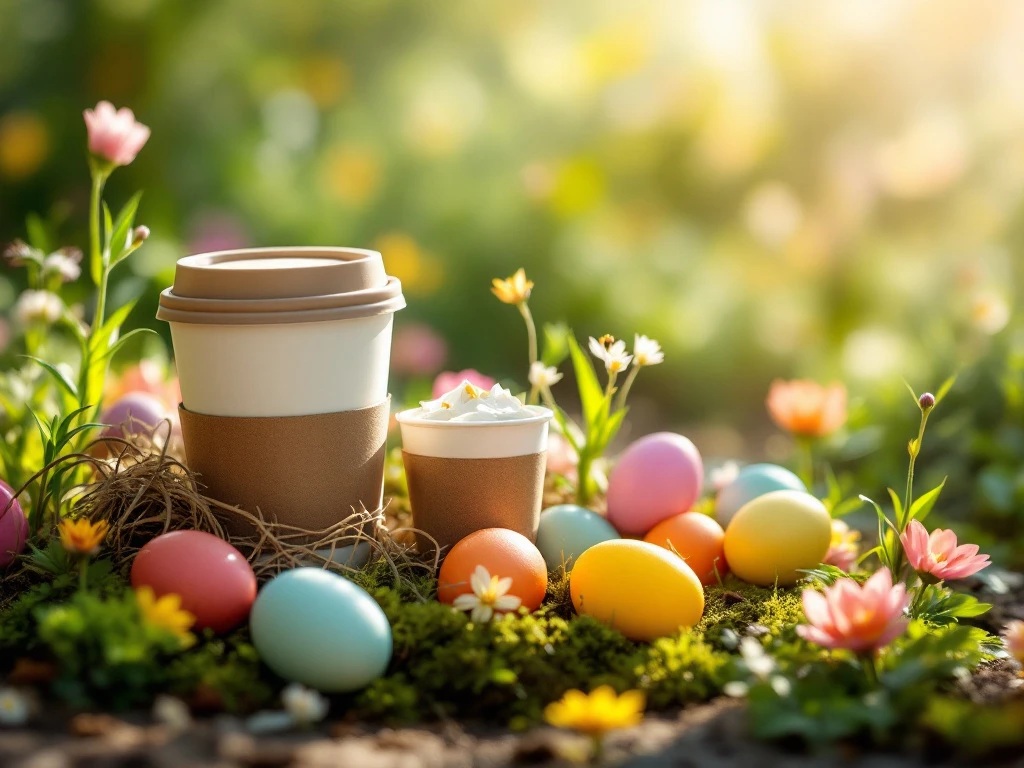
(108, 228)
(591, 394)
(944, 388)
(910, 389)
(565, 425)
(609, 429)
(124, 340)
(921, 507)
(897, 507)
(66, 384)
(123, 229)
(556, 343)
(38, 233)
(101, 338)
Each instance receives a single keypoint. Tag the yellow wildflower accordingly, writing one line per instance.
(166, 613)
(514, 290)
(82, 536)
(598, 713)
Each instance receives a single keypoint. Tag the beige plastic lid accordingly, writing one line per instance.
(256, 286)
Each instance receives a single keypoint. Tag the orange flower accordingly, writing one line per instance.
(806, 408)
(82, 537)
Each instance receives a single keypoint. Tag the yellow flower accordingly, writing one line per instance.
(166, 613)
(514, 290)
(81, 536)
(597, 713)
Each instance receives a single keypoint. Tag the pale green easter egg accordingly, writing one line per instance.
(775, 536)
(642, 590)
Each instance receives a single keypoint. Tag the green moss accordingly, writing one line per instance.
(736, 605)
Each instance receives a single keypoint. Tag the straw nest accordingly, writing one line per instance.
(143, 489)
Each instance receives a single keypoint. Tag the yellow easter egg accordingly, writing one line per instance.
(642, 590)
(774, 536)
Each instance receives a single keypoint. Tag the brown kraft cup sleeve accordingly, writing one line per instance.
(304, 471)
(452, 498)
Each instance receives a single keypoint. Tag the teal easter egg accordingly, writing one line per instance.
(314, 627)
(567, 531)
(752, 481)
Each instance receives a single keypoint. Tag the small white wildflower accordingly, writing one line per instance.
(611, 352)
(758, 662)
(646, 351)
(729, 638)
(544, 376)
(305, 705)
(14, 707)
(781, 685)
(736, 688)
(490, 596)
(63, 265)
(38, 306)
(172, 712)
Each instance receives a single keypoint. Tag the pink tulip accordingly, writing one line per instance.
(114, 135)
(446, 381)
(937, 557)
(859, 618)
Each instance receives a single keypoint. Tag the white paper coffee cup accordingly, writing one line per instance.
(281, 332)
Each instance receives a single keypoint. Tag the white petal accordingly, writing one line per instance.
(480, 581)
(503, 586)
(465, 602)
(482, 614)
(507, 603)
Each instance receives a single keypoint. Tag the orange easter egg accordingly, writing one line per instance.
(503, 553)
(698, 539)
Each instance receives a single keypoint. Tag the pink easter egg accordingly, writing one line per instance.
(13, 526)
(656, 477)
(215, 582)
(135, 413)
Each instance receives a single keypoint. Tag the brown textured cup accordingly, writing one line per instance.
(309, 472)
(452, 498)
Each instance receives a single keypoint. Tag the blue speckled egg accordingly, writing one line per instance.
(567, 531)
(314, 627)
(752, 481)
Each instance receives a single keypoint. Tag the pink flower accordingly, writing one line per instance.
(844, 549)
(858, 618)
(446, 381)
(114, 135)
(937, 556)
(1013, 636)
(417, 350)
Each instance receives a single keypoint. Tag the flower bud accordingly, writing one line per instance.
(139, 235)
(926, 401)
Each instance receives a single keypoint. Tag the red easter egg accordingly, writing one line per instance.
(213, 579)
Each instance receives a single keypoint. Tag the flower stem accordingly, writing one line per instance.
(100, 269)
(610, 389)
(583, 478)
(620, 401)
(531, 330)
(83, 573)
(908, 498)
(805, 459)
(597, 751)
(868, 664)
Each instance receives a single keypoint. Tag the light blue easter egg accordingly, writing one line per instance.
(314, 627)
(752, 481)
(567, 531)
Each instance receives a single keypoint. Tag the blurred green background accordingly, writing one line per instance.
(770, 189)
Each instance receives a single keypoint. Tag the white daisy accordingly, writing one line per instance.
(612, 352)
(646, 351)
(544, 376)
(490, 596)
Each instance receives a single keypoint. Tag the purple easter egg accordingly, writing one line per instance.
(135, 413)
(13, 526)
(656, 477)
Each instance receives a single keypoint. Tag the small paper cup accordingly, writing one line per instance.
(466, 476)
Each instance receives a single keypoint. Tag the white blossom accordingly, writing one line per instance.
(38, 306)
(490, 596)
(304, 705)
(544, 376)
(646, 351)
(613, 354)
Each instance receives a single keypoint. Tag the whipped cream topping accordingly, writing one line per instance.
(471, 403)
